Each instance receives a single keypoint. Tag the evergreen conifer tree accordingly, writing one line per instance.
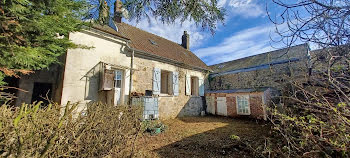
(34, 33)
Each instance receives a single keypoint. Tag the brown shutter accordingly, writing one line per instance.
(107, 79)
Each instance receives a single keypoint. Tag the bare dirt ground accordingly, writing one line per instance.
(205, 137)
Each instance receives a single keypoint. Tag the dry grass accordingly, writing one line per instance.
(204, 137)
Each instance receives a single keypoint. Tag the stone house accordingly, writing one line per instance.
(124, 61)
(244, 87)
(126, 65)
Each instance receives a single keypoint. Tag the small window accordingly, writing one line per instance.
(243, 107)
(153, 42)
(166, 84)
(194, 86)
(221, 66)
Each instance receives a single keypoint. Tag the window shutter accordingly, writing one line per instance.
(201, 87)
(108, 79)
(156, 81)
(102, 75)
(176, 83)
(188, 84)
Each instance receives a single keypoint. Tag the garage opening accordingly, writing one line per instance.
(42, 92)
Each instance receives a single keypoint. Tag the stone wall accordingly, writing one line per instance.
(169, 106)
(275, 77)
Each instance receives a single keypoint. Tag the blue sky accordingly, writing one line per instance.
(246, 32)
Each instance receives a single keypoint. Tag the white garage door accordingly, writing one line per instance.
(210, 104)
(221, 105)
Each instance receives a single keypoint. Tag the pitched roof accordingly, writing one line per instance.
(109, 30)
(154, 45)
(293, 53)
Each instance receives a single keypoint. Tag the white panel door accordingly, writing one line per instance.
(117, 86)
(221, 106)
(210, 104)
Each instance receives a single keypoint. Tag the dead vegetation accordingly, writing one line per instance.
(315, 121)
(102, 130)
(206, 137)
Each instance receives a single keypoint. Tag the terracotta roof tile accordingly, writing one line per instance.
(153, 44)
(108, 29)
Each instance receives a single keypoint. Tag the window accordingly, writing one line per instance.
(221, 66)
(166, 82)
(118, 79)
(243, 107)
(153, 42)
(194, 86)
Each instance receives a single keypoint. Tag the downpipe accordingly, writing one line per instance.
(131, 70)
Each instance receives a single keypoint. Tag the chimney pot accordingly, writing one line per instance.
(186, 40)
(118, 5)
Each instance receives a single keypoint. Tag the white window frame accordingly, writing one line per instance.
(169, 83)
(194, 86)
(116, 79)
(245, 96)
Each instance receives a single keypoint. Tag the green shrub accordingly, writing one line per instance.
(102, 130)
(151, 125)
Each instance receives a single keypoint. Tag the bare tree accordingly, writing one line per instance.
(316, 117)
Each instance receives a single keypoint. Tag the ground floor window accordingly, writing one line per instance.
(194, 86)
(165, 82)
(118, 79)
(243, 107)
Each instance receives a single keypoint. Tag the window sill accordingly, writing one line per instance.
(165, 95)
(243, 114)
(194, 96)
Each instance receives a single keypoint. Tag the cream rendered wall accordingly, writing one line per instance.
(81, 77)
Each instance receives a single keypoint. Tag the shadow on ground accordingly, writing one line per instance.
(210, 137)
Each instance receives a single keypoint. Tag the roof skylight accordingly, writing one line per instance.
(153, 42)
(221, 66)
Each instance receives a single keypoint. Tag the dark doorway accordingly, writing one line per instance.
(42, 92)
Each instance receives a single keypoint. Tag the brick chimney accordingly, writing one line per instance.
(118, 5)
(186, 40)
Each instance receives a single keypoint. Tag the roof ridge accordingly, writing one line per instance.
(157, 36)
(169, 49)
(183, 49)
(298, 45)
